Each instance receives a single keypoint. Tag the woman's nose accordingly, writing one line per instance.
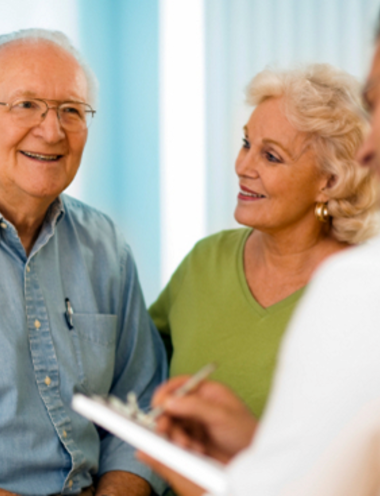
(246, 163)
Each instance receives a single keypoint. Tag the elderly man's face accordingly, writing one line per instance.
(369, 153)
(41, 161)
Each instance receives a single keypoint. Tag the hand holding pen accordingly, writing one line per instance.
(185, 388)
(212, 420)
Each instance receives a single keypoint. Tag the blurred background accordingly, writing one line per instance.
(172, 73)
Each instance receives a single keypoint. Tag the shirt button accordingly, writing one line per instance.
(3, 225)
(37, 324)
(64, 433)
(70, 483)
(27, 268)
(47, 380)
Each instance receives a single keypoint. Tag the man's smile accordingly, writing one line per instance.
(41, 156)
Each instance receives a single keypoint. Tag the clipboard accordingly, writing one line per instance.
(200, 469)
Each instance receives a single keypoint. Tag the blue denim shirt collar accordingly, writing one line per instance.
(54, 215)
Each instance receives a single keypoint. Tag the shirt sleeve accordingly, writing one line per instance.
(140, 366)
(329, 369)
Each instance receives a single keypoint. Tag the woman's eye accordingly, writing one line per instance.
(272, 158)
(246, 143)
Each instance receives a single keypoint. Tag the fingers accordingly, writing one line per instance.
(227, 429)
(167, 389)
(211, 419)
(180, 436)
(210, 391)
(175, 430)
(194, 407)
(164, 424)
(219, 393)
(184, 433)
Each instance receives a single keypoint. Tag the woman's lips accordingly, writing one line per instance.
(249, 195)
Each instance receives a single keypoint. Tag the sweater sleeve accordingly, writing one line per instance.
(161, 309)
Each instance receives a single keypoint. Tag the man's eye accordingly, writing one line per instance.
(71, 110)
(246, 143)
(26, 105)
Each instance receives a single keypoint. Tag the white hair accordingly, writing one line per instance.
(34, 35)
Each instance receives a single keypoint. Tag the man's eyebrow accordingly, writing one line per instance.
(24, 93)
(274, 142)
(245, 129)
(32, 94)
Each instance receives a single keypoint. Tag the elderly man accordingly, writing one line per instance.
(72, 313)
(320, 435)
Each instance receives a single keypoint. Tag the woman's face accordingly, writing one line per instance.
(278, 176)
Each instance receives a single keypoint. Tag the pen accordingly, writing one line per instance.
(186, 388)
(69, 314)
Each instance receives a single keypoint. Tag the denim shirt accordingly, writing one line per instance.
(113, 348)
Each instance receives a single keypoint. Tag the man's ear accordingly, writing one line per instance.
(327, 182)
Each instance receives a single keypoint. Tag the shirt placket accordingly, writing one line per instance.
(46, 370)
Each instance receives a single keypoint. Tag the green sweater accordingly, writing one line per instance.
(211, 316)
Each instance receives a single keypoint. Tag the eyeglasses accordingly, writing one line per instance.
(73, 116)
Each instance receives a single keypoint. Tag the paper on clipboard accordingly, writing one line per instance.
(200, 469)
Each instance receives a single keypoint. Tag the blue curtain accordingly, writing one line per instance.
(120, 171)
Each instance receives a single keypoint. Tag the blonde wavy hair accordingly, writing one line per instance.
(325, 103)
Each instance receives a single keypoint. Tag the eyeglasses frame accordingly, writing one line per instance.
(56, 107)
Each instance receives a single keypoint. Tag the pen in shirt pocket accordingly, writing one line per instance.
(69, 314)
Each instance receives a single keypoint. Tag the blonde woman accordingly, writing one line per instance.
(302, 199)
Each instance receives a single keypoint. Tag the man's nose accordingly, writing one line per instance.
(50, 128)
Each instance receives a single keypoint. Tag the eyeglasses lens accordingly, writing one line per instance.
(73, 116)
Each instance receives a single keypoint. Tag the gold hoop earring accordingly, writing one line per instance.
(321, 212)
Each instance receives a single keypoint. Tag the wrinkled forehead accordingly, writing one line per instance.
(41, 66)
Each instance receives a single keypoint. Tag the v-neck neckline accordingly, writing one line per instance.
(262, 311)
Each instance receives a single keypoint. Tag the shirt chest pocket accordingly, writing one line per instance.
(94, 341)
